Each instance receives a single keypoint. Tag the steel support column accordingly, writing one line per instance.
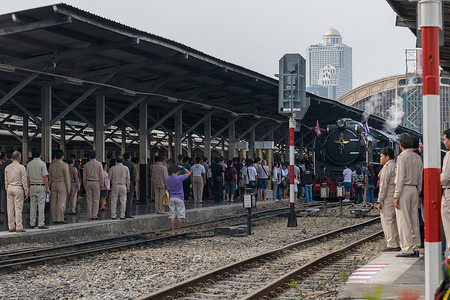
(251, 143)
(178, 133)
(143, 166)
(123, 145)
(232, 138)
(25, 151)
(189, 145)
(170, 148)
(62, 139)
(100, 127)
(207, 140)
(46, 129)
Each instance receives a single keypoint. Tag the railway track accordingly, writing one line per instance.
(20, 258)
(269, 274)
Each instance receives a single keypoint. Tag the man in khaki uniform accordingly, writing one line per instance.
(37, 177)
(159, 172)
(408, 185)
(74, 187)
(59, 179)
(386, 199)
(93, 182)
(445, 182)
(16, 192)
(119, 175)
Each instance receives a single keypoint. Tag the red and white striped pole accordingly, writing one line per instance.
(292, 220)
(430, 22)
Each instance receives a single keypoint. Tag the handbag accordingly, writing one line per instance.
(166, 199)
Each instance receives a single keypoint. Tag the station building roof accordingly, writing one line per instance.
(82, 55)
(406, 11)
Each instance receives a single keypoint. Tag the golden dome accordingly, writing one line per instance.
(332, 31)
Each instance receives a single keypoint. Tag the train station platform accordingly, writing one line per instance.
(387, 277)
(145, 220)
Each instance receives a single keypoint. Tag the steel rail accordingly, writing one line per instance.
(202, 280)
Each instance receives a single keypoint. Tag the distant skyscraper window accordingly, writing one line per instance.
(329, 64)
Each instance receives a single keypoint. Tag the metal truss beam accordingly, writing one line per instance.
(270, 131)
(198, 123)
(34, 25)
(59, 99)
(127, 110)
(22, 108)
(75, 53)
(217, 134)
(81, 99)
(18, 87)
(249, 129)
(168, 115)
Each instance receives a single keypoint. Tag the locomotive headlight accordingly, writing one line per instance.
(340, 123)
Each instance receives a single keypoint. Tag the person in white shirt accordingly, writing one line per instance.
(263, 178)
(198, 179)
(251, 176)
(347, 174)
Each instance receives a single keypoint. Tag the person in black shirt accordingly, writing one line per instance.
(370, 184)
(218, 178)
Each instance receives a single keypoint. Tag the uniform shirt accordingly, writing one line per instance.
(16, 175)
(445, 175)
(159, 175)
(73, 172)
(2, 172)
(409, 171)
(93, 170)
(197, 170)
(59, 172)
(119, 174)
(36, 170)
(387, 182)
(127, 163)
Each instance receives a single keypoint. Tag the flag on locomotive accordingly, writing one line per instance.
(317, 129)
(366, 127)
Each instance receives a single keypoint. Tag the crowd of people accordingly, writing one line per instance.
(112, 185)
(61, 184)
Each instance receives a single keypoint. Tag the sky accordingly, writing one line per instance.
(255, 34)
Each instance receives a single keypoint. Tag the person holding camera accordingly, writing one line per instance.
(176, 196)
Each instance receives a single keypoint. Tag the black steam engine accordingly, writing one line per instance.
(345, 142)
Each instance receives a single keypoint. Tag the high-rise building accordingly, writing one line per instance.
(329, 66)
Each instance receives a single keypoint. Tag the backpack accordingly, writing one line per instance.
(229, 174)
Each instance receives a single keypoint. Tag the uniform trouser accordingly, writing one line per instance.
(197, 188)
(15, 196)
(118, 191)
(389, 223)
(445, 214)
(408, 219)
(58, 201)
(37, 202)
(130, 195)
(159, 196)
(92, 198)
(72, 198)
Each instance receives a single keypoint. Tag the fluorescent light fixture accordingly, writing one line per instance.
(206, 106)
(128, 92)
(6, 68)
(257, 117)
(235, 114)
(171, 100)
(74, 81)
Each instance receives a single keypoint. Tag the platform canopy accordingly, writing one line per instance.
(406, 11)
(81, 55)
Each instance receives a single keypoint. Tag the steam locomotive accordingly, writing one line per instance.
(346, 142)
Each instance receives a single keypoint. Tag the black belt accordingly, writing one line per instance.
(411, 185)
(93, 180)
(446, 188)
(113, 183)
(41, 184)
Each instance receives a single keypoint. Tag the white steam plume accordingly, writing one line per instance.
(370, 106)
(394, 115)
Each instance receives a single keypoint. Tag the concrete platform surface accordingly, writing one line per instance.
(145, 220)
(392, 277)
